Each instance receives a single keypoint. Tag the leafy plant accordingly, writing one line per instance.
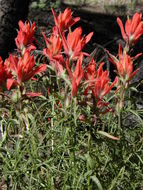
(64, 123)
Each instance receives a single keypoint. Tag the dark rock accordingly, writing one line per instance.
(11, 11)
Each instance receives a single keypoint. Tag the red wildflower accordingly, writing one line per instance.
(53, 51)
(65, 20)
(4, 75)
(99, 86)
(22, 69)
(2, 72)
(133, 28)
(54, 46)
(25, 37)
(90, 71)
(77, 75)
(75, 43)
(124, 64)
(101, 83)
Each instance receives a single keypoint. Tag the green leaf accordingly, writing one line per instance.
(114, 181)
(133, 89)
(137, 115)
(96, 180)
(108, 135)
(90, 161)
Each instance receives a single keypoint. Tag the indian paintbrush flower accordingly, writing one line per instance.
(74, 43)
(25, 36)
(124, 65)
(77, 75)
(64, 21)
(4, 75)
(98, 83)
(53, 51)
(133, 28)
(22, 69)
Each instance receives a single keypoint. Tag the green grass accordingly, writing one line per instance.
(65, 153)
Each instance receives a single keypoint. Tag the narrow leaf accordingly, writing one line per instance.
(96, 180)
(108, 135)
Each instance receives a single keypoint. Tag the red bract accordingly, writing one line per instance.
(133, 28)
(22, 69)
(54, 46)
(65, 20)
(99, 86)
(77, 75)
(25, 37)
(53, 51)
(124, 65)
(74, 43)
(3, 74)
(90, 72)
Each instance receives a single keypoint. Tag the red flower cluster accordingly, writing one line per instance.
(4, 75)
(97, 82)
(25, 36)
(18, 69)
(77, 74)
(65, 20)
(124, 65)
(22, 69)
(133, 28)
(54, 46)
(65, 50)
(74, 43)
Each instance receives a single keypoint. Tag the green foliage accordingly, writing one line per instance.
(44, 4)
(62, 140)
(57, 150)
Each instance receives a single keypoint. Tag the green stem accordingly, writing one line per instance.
(65, 98)
(52, 125)
(88, 167)
(8, 183)
(120, 106)
(73, 133)
(73, 144)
